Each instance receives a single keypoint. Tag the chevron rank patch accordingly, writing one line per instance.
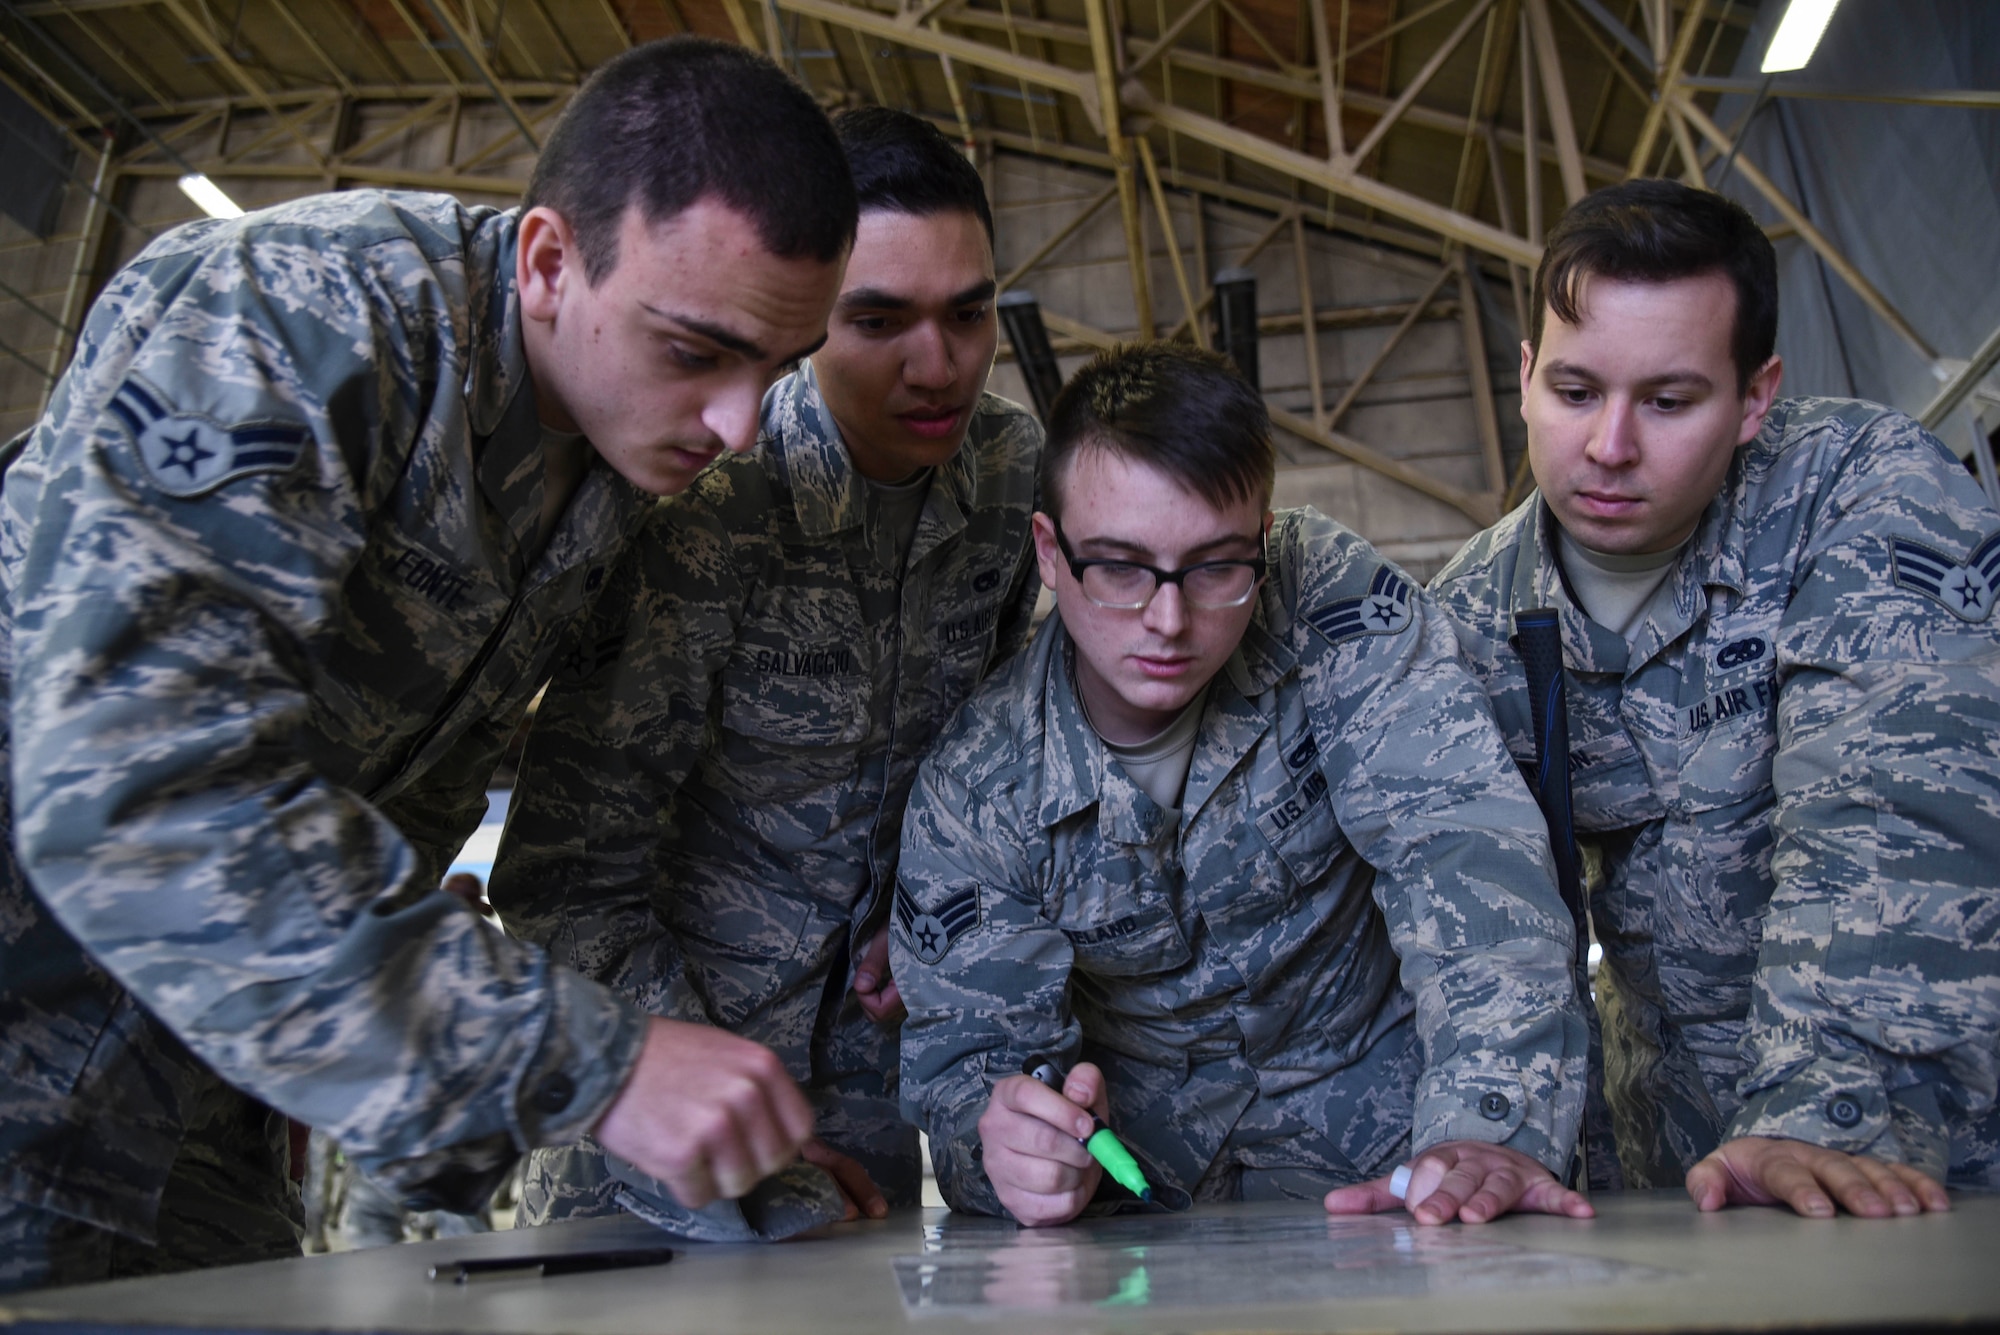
(1383, 610)
(1966, 590)
(187, 455)
(929, 934)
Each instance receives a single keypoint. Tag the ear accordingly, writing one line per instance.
(545, 257)
(1527, 374)
(1759, 396)
(1048, 556)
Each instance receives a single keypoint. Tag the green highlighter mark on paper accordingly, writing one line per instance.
(1103, 1144)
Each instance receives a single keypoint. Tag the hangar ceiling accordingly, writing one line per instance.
(1448, 129)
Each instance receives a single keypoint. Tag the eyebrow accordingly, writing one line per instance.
(1198, 552)
(724, 337)
(1692, 379)
(875, 299)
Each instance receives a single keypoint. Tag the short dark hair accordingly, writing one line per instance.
(1186, 412)
(905, 164)
(1655, 231)
(668, 123)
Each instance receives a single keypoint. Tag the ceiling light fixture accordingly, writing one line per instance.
(1798, 35)
(208, 196)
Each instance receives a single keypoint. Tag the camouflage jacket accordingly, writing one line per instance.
(1345, 764)
(270, 613)
(714, 788)
(1791, 777)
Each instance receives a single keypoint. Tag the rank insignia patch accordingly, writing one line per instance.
(929, 934)
(187, 455)
(1965, 590)
(1383, 610)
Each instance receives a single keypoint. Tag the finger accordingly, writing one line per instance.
(863, 1196)
(1545, 1195)
(1039, 1176)
(1888, 1185)
(1482, 1192)
(1085, 1088)
(1362, 1198)
(1708, 1185)
(1031, 1098)
(1929, 1192)
(1790, 1181)
(693, 1186)
(1438, 1187)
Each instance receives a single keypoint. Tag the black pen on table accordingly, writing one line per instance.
(562, 1263)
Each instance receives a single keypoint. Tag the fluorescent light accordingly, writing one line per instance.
(208, 196)
(1798, 34)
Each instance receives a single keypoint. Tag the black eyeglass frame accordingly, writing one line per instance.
(1258, 565)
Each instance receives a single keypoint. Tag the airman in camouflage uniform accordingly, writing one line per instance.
(280, 577)
(1789, 767)
(708, 813)
(1231, 967)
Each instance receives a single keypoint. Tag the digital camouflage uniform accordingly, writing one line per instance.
(1793, 781)
(713, 793)
(271, 609)
(1234, 972)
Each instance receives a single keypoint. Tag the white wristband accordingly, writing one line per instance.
(1399, 1181)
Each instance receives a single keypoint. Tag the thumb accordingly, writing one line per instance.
(1708, 1185)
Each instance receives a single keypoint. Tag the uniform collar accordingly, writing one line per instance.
(1077, 770)
(828, 494)
(1714, 556)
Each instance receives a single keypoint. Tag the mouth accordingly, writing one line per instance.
(1606, 504)
(691, 459)
(932, 423)
(1162, 667)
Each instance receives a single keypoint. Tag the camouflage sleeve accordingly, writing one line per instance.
(280, 925)
(1875, 1009)
(983, 970)
(1425, 790)
(441, 810)
(624, 722)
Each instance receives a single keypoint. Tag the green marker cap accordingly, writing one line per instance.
(1107, 1149)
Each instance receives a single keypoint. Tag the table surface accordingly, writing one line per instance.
(1648, 1262)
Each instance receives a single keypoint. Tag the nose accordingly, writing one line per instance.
(732, 414)
(1167, 614)
(928, 362)
(1614, 441)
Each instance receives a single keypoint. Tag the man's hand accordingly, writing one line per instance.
(1030, 1133)
(708, 1113)
(881, 1001)
(1467, 1180)
(863, 1196)
(1761, 1170)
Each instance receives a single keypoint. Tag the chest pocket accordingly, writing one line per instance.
(1609, 782)
(1301, 831)
(788, 734)
(1132, 945)
(1728, 719)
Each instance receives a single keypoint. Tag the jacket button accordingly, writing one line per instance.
(1843, 1110)
(1493, 1107)
(553, 1093)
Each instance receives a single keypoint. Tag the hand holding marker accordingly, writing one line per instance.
(1104, 1146)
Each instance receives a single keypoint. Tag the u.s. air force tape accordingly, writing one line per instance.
(929, 933)
(1966, 589)
(186, 454)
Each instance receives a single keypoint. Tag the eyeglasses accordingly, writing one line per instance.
(1127, 586)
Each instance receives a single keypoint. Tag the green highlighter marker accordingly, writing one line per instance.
(1103, 1143)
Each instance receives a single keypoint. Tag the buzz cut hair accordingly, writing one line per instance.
(1174, 407)
(688, 118)
(1656, 231)
(904, 164)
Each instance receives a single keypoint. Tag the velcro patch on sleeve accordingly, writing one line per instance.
(186, 454)
(1383, 610)
(929, 933)
(1965, 589)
